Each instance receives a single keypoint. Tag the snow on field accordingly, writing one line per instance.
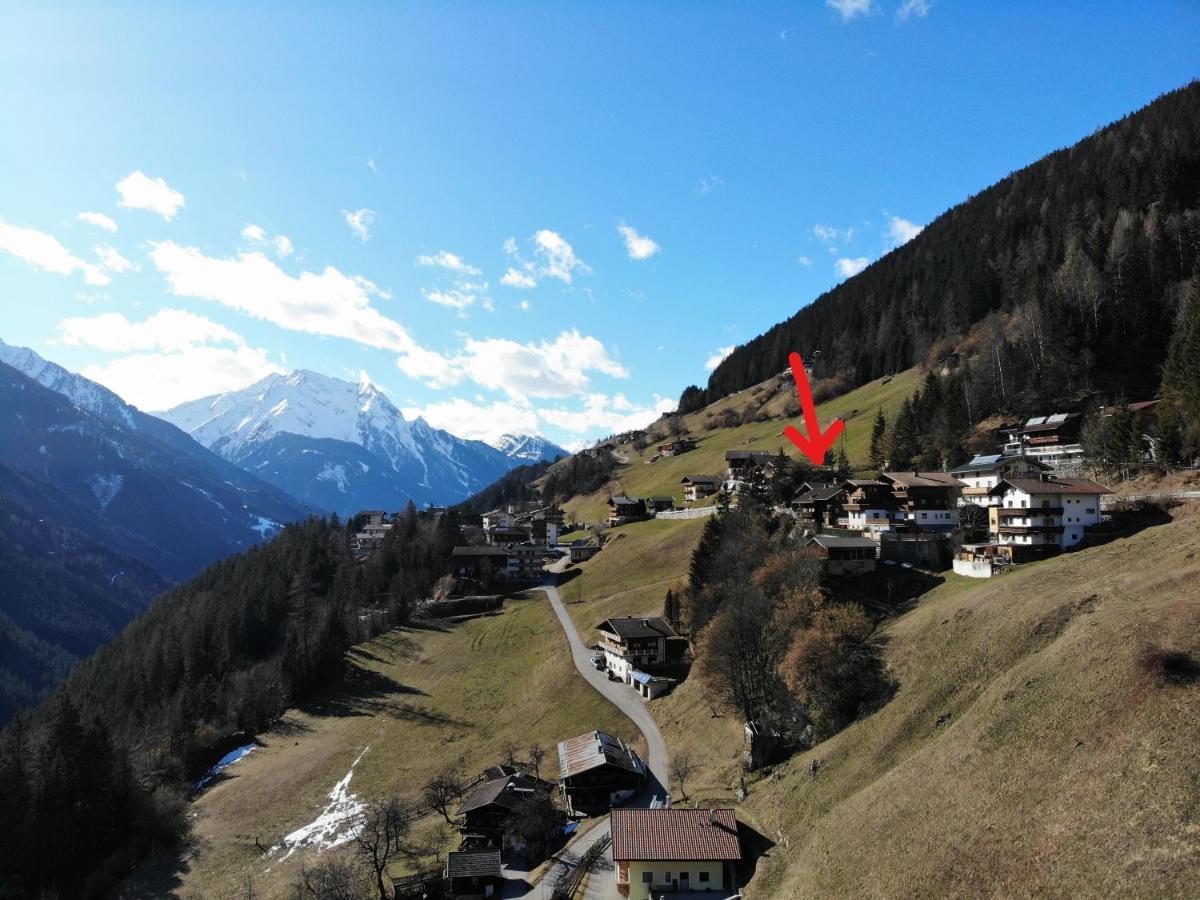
(265, 526)
(106, 487)
(337, 823)
(224, 762)
(336, 474)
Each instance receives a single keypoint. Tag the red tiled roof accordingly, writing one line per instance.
(1053, 485)
(675, 834)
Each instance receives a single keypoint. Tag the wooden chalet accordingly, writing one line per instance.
(622, 509)
(677, 447)
(598, 771)
(659, 504)
(819, 505)
(474, 874)
(844, 555)
(486, 810)
(697, 487)
(925, 501)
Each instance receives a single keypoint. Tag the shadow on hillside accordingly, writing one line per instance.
(755, 846)
(287, 726)
(365, 692)
(888, 591)
(1127, 518)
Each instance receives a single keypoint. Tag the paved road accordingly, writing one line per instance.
(602, 883)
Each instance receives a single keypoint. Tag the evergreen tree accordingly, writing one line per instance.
(1181, 377)
(877, 454)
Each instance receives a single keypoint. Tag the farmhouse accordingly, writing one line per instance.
(1048, 512)
(926, 501)
(506, 535)
(819, 505)
(583, 549)
(631, 643)
(598, 770)
(739, 464)
(622, 509)
(869, 506)
(697, 487)
(983, 473)
(486, 810)
(498, 518)
(474, 874)
(479, 562)
(1053, 440)
(659, 504)
(674, 448)
(674, 851)
(844, 555)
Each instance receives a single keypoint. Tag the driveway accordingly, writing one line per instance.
(602, 884)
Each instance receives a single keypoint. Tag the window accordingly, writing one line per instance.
(1091, 510)
(647, 878)
(683, 876)
(704, 878)
(667, 877)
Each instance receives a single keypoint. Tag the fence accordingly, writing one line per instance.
(697, 512)
(566, 887)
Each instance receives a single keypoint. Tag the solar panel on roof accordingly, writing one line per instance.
(1056, 418)
(1036, 420)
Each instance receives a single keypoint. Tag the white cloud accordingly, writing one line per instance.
(371, 165)
(708, 185)
(478, 421)
(901, 231)
(43, 251)
(518, 279)
(100, 220)
(717, 358)
(524, 306)
(847, 268)
(603, 413)
(112, 260)
(167, 329)
(139, 191)
(851, 9)
(444, 259)
(638, 246)
(360, 222)
(918, 8)
(453, 298)
(281, 243)
(804, 260)
(827, 234)
(559, 259)
(327, 303)
(173, 356)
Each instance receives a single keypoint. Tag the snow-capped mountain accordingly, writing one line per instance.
(342, 446)
(528, 448)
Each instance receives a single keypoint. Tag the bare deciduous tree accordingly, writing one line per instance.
(682, 768)
(381, 838)
(332, 879)
(441, 791)
(537, 753)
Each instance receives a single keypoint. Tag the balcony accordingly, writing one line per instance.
(1030, 529)
(1030, 510)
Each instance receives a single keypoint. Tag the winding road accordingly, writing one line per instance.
(602, 885)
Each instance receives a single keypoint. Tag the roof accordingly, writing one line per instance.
(924, 479)
(633, 627)
(662, 498)
(831, 542)
(748, 454)
(995, 461)
(1053, 485)
(592, 750)
(622, 500)
(702, 479)
(505, 791)
(865, 482)
(675, 834)
(473, 863)
(819, 492)
(479, 551)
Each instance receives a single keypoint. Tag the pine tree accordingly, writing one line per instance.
(1181, 377)
(877, 451)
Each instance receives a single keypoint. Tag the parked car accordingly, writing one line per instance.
(612, 676)
(598, 662)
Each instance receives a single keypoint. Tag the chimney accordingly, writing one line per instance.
(712, 817)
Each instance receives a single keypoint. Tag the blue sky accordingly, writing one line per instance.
(511, 216)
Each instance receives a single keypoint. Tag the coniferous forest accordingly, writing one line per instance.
(97, 775)
(1065, 279)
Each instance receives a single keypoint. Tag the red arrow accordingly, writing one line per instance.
(815, 445)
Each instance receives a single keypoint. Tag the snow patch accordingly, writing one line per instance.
(264, 526)
(336, 474)
(106, 487)
(224, 763)
(337, 824)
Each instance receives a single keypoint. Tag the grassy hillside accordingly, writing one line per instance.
(421, 700)
(1026, 752)
(640, 477)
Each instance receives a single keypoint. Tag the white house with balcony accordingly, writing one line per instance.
(1044, 512)
(983, 473)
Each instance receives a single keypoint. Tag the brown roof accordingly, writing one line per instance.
(923, 479)
(473, 864)
(633, 627)
(674, 834)
(506, 791)
(595, 749)
(1054, 485)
